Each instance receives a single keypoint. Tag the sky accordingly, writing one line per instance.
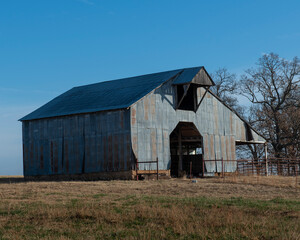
(50, 46)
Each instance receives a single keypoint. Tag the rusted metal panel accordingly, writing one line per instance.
(87, 153)
(152, 108)
(232, 142)
(116, 157)
(228, 154)
(121, 152)
(41, 157)
(206, 147)
(226, 120)
(135, 144)
(140, 114)
(211, 166)
(233, 155)
(237, 129)
(146, 109)
(100, 153)
(121, 119)
(153, 145)
(160, 145)
(45, 155)
(216, 117)
(220, 119)
(218, 154)
(223, 148)
(91, 157)
(35, 165)
(77, 166)
(231, 123)
(212, 147)
(128, 153)
(256, 137)
(105, 153)
(66, 156)
(110, 153)
(243, 131)
(77, 144)
(133, 115)
(163, 163)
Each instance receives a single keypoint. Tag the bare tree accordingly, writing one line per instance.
(273, 89)
(226, 88)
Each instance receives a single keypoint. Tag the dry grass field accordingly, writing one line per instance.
(215, 208)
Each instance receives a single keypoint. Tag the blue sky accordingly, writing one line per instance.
(49, 46)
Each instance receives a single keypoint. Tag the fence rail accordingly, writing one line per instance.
(273, 166)
(145, 173)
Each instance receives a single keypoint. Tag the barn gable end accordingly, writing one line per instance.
(155, 117)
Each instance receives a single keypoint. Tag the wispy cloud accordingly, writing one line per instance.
(89, 2)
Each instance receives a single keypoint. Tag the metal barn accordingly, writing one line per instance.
(103, 130)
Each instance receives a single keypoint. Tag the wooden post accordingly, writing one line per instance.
(157, 168)
(222, 168)
(190, 169)
(136, 170)
(203, 167)
(180, 153)
(266, 158)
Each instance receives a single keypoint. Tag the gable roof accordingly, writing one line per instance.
(109, 95)
(194, 75)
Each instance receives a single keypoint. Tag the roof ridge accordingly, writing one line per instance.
(144, 75)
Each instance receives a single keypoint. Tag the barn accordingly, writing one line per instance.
(108, 129)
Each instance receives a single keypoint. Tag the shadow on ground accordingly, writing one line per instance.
(11, 179)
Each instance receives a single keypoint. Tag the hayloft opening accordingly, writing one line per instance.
(186, 97)
(186, 150)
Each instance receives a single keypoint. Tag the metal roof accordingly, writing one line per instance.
(187, 75)
(109, 95)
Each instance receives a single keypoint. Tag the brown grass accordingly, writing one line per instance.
(230, 208)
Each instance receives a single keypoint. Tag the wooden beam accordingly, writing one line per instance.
(198, 105)
(180, 152)
(184, 94)
(195, 89)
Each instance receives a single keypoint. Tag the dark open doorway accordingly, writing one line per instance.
(186, 150)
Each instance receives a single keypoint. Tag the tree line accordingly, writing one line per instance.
(272, 88)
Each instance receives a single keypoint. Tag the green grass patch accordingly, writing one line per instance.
(133, 216)
(99, 195)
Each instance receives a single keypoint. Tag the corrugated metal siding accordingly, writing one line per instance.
(76, 144)
(219, 126)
